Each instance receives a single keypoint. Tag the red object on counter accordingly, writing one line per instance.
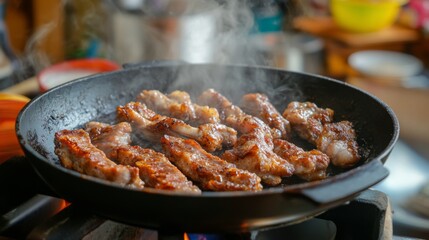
(70, 70)
(421, 8)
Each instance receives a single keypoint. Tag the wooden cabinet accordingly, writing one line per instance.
(36, 27)
(339, 45)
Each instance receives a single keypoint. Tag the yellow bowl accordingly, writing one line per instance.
(365, 15)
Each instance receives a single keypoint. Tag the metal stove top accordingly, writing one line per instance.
(25, 213)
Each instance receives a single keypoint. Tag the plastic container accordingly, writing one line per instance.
(365, 15)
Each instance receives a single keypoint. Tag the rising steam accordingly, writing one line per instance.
(193, 31)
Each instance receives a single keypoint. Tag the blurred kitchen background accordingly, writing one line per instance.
(381, 46)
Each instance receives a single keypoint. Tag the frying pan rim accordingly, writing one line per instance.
(266, 191)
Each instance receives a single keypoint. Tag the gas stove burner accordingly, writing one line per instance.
(28, 214)
(80, 225)
(362, 218)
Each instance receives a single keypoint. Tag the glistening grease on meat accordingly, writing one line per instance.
(209, 171)
(254, 148)
(212, 136)
(258, 105)
(154, 168)
(307, 119)
(338, 141)
(108, 138)
(76, 152)
(178, 105)
(254, 153)
(309, 165)
(314, 124)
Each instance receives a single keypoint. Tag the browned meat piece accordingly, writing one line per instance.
(178, 105)
(181, 97)
(108, 138)
(260, 106)
(204, 114)
(309, 165)
(155, 169)
(254, 153)
(160, 103)
(225, 108)
(75, 151)
(254, 148)
(152, 126)
(307, 119)
(232, 115)
(140, 109)
(209, 171)
(338, 141)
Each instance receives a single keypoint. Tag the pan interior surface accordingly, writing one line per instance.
(94, 98)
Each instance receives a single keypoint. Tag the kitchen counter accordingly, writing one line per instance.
(409, 172)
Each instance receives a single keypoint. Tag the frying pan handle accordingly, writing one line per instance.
(154, 63)
(350, 183)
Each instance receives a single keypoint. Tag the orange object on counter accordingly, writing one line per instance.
(9, 146)
(10, 106)
(9, 109)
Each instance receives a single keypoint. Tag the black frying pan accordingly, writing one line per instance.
(93, 98)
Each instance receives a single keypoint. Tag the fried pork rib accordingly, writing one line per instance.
(258, 105)
(309, 165)
(254, 153)
(153, 126)
(338, 141)
(178, 105)
(314, 124)
(154, 168)
(307, 119)
(75, 151)
(108, 138)
(216, 100)
(211, 172)
(254, 148)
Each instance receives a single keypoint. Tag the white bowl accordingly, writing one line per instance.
(385, 66)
